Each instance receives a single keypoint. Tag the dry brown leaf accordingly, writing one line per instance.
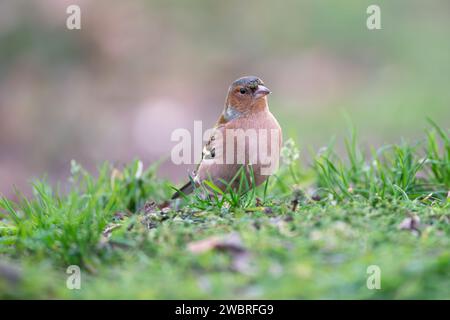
(109, 228)
(411, 223)
(10, 273)
(231, 244)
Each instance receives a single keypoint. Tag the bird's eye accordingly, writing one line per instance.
(243, 91)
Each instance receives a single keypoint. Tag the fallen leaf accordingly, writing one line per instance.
(106, 234)
(411, 223)
(165, 205)
(109, 228)
(10, 273)
(231, 244)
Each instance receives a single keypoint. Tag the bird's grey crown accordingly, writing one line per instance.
(249, 81)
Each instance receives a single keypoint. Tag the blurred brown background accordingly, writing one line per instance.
(116, 89)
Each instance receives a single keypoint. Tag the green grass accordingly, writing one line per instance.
(310, 232)
(392, 171)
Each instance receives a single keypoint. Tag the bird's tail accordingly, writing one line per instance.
(184, 190)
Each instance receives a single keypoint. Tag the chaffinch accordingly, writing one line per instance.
(246, 117)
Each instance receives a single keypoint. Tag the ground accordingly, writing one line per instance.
(311, 232)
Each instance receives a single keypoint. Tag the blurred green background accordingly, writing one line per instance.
(137, 70)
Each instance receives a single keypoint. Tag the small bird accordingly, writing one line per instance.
(246, 111)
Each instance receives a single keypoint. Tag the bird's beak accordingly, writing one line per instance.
(260, 92)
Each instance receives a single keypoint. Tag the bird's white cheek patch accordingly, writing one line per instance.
(231, 113)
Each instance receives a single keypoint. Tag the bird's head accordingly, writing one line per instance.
(247, 93)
